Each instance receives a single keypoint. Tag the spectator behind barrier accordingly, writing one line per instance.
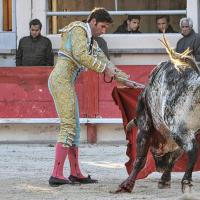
(35, 50)
(163, 24)
(190, 39)
(130, 25)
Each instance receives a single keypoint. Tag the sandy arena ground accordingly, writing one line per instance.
(25, 170)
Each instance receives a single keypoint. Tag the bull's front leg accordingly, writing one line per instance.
(143, 143)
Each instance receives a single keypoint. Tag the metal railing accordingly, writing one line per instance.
(116, 12)
(136, 12)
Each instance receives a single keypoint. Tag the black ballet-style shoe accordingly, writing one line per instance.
(55, 182)
(86, 180)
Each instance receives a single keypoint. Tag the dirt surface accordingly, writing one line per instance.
(25, 170)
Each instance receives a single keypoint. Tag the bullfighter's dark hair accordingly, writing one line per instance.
(101, 15)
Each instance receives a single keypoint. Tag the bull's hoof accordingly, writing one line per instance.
(186, 186)
(125, 187)
(121, 190)
(164, 184)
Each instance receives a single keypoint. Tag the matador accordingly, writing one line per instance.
(78, 52)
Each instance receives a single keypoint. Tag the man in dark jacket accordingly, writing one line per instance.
(130, 25)
(190, 39)
(35, 50)
(163, 24)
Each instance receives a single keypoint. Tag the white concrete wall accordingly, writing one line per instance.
(138, 42)
(129, 41)
(43, 133)
(7, 60)
(32, 133)
(39, 12)
(23, 17)
(138, 59)
(110, 133)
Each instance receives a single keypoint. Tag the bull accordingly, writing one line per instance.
(169, 106)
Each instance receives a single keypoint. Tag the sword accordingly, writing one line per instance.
(131, 83)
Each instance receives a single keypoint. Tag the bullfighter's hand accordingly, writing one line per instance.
(123, 78)
(110, 71)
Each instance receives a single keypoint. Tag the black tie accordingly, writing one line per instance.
(91, 44)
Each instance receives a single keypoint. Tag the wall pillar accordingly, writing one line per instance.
(23, 17)
(193, 13)
(25, 12)
(39, 11)
(91, 133)
(91, 103)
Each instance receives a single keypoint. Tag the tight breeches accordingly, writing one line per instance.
(65, 100)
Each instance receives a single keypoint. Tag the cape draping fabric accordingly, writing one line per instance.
(126, 99)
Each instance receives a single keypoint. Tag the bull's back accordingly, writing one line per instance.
(174, 98)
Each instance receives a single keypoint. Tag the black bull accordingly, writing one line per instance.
(170, 106)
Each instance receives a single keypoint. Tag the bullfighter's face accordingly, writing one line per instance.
(98, 28)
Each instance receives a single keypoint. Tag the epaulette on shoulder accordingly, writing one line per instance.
(72, 25)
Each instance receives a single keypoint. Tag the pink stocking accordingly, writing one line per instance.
(74, 163)
(60, 156)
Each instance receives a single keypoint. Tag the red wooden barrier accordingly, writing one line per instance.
(24, 93)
